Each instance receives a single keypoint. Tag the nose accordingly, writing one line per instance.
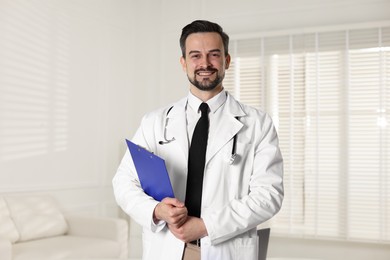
(204, 62)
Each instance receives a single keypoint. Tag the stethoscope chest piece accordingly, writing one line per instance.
(232, 158)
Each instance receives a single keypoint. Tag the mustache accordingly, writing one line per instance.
(206, 70)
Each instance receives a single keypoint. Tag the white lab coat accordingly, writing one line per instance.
(235, 199)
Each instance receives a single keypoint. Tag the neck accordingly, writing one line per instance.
(205, 95)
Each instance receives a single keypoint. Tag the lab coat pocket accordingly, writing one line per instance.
(246, 248)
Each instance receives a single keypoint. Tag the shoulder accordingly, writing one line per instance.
(248, 112)
(162, 113)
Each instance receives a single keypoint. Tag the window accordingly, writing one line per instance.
(34, 82)
(329, 95)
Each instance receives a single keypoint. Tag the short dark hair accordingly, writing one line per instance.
(202, 26)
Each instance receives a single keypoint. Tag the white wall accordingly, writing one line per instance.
(66, 86)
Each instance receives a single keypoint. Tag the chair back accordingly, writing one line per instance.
(263, 242)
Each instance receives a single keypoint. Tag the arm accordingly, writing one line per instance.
(172, 211)
(129, 194)
(127, 188)
(193, 229)
(265, 189)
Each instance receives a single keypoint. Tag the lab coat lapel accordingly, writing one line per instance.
(225, 128)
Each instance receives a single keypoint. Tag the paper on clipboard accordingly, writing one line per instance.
(152, 172)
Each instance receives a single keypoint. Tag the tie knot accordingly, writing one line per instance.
(204, 108)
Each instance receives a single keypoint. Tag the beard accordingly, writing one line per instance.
(206, 84)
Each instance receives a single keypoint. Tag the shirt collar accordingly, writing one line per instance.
(214, 103)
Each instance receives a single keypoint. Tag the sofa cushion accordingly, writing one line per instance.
(36, 216)
(64, 247)
(7, 226)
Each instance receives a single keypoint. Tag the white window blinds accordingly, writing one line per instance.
(329, 95)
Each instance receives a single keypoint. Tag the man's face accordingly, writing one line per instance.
(205, 62)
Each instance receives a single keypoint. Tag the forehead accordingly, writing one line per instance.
(204, 41)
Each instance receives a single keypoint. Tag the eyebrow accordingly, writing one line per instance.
(213, 50)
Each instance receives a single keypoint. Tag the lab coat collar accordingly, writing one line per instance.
(214, 103)
(226, 127)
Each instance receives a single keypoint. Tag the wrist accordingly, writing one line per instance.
(156, 219)
(203, 229)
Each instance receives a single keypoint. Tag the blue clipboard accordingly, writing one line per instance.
(152, 172)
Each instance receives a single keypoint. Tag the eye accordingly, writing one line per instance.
(215, 55)
(195, 56)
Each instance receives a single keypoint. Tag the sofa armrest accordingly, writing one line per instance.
(115, 229)
(5, 249)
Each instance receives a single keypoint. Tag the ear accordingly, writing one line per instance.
(183, 63)
(227, 61)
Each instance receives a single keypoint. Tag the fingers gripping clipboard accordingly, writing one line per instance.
(152, 172)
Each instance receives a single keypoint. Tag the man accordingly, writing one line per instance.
(240, 171)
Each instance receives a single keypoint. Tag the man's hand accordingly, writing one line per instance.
(191, 230)
(172, 211)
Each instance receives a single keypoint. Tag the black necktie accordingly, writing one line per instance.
(196, 162)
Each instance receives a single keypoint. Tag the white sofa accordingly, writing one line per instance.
(33, 228)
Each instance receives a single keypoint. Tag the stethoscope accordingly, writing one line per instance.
(167, 141)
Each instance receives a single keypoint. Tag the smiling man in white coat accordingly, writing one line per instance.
(240, 184)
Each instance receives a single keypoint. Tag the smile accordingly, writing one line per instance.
(205, 73)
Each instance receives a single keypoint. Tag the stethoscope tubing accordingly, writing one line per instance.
(167, 141)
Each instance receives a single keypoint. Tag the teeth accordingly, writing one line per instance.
(205, 73)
